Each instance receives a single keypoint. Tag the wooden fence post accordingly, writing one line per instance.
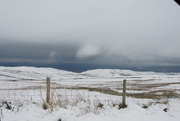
(124, 95)
(48, 90)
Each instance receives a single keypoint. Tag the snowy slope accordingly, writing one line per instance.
(32, 73)
(117, 73)
(25, 98)
(134, 112)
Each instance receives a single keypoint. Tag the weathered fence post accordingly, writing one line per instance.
(124, 94)
(48, 90)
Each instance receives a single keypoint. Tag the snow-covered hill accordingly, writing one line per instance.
(116, 73)
(34, 73)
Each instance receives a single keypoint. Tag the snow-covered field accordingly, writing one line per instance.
(92, 95)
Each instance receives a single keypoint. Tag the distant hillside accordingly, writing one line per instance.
(34, 73)
(75, 67)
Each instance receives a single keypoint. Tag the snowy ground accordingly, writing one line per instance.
(91, 95)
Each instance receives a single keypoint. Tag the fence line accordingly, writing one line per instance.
(48, 98)
(31, 91)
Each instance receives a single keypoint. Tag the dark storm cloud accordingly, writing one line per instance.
(23, 52)
(126, 32)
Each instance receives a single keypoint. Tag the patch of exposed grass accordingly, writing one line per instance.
(154, 95)
(101, 90)
(99, 105)
(144, 80)
(27, 88)
(144, 106)
(157, 85)
(157, 94)
(147, 105)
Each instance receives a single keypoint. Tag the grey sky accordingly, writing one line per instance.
(118, 32)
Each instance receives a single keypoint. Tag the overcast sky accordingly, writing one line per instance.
(109, 32)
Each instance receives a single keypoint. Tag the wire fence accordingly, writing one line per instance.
(105, 90)
(70, 89)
